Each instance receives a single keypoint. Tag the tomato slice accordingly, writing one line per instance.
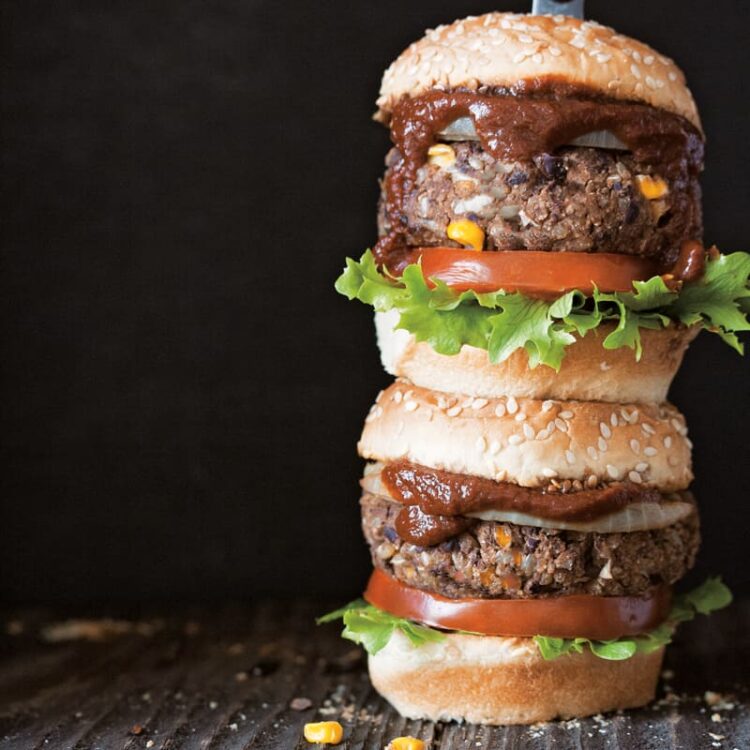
(600, 618)
(533, 272)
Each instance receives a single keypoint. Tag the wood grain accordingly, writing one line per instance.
(224, 680)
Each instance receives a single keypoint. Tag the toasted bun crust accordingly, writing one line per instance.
(589, 371)
(509, 49)
(529, 442)
(492, 680)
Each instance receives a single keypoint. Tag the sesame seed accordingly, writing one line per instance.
(649, 451)
(592, 453)
(528, 431)
(604, 429)
(542, 434)
(613, 420)
(648, 429)
(570, 457)
(512, 405)
(637, 55)
(467, 402)
(555, 51)
(481, 444)
(592, 480)
(635, 71)
(500, 410)
(550, 426)
(520, 416)
(602, 444)
(549, 473)
(672, 460)
(668, 441)
(397, 397)
(454, 411)
(578, 42)
(494, 447)
(676, 424)
(525, 39)
(612, 471)
(634, 476)
(603, 57)
(546, 406)
(537, 58)
(635, 446)
(561, 425)
(478, 403)
(672, 76)
(519, 57)
(566, 414)
(648, 60)
(515, 439)
(642, 466)
(411, 405)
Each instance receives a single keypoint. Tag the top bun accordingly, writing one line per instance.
(523, 51)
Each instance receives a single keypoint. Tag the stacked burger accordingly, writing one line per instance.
(538, 278)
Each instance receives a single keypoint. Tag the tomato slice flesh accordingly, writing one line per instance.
(600, 618)
(534, 272)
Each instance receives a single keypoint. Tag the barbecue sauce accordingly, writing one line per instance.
(437, 501)
(512, 126)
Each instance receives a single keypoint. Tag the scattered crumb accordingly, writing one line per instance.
(213, 705)
(146, 697)
(240, 677)
(233, 726)
(667, 674)
(136, 729)
(716, 736)
(716, 718)
(236, 649)
(719, 701)
(150, 743)
(96, 630)
(300, 704)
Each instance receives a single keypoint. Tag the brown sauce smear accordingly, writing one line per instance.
(437, 501)
(523, 122)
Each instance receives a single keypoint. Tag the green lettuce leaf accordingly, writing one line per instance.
(503, 322)
(372, 627)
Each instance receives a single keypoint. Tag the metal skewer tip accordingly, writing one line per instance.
(572, 8)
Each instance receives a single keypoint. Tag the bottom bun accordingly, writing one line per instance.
(492, 680)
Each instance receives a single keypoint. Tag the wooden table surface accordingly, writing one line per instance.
(227, 678)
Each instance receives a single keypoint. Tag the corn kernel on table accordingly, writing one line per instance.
(251, 676)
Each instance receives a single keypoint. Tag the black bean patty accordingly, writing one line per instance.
(579, 200)
(509, 561)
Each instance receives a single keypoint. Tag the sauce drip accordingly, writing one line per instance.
(437, 501)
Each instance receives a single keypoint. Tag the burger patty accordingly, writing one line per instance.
(505, 560)
(579, 200)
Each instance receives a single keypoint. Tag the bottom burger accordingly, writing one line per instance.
(524, 553)
(501, 661)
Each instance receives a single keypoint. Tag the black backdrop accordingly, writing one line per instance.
(182, 389)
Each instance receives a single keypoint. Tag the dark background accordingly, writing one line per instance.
(182, 389)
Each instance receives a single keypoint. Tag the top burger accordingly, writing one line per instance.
(543, 184)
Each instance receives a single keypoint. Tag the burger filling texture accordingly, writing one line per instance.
(491, 559)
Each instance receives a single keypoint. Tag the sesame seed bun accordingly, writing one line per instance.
(527, 441)
(589, 372)
(522, 51)
(493, 680)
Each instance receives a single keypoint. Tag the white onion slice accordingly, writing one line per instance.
(463, 129)
(633, 517)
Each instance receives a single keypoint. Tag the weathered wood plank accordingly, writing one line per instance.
(225, 679)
